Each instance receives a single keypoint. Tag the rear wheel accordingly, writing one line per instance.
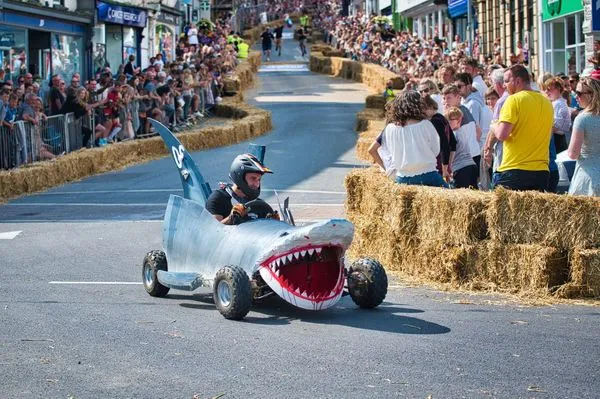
(367, 282)
(232, 292)
(153, 262)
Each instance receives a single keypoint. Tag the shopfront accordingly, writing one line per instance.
(564, 40)
(40, 46)
(458, 11)
(429, 19)
(117, 35)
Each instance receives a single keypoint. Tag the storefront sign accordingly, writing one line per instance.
(457, 8)
(50, 25)
(556, 8)
(122, 15)
(168, 18)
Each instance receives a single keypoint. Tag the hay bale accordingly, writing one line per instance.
(584, 274)
(517, 268)
(364, 118)
(375, 101)
(561, 221)
(451, 216)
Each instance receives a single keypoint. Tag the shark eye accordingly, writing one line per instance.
(285, 233)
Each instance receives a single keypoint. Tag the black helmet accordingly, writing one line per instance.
(242, 164)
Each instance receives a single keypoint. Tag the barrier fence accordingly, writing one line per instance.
(25, 142)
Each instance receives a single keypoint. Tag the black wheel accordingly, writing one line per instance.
(232, 293)
(153, 262)
(367, 282)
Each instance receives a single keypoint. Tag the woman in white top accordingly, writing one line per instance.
(412, 142)
(562, 116)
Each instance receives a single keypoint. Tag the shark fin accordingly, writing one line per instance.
(194, 186)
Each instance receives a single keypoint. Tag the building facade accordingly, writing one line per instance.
(563, 36)
(45, 37)
(511, 29)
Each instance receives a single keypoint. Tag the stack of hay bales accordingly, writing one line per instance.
(520, 242)
(328, 60)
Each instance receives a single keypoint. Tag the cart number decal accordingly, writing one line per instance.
(178, 154)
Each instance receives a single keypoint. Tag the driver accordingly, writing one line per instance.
(238, 202)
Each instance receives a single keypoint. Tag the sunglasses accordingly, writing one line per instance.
(581, 93)
(423, 90)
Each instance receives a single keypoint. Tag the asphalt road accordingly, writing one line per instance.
(76, 322)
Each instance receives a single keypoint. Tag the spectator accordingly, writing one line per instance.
(472, 133)
(585, 141)
(130, 68)
(474, 102)
(562, 117)
(56, 95)
(464, 169)
(411, 140)
(446, 135)
(388, 94)
(471, 66)
(525, 126)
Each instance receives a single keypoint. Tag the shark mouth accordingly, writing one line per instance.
(310, 277)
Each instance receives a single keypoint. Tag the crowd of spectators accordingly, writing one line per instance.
(496, 124)
(117, 102)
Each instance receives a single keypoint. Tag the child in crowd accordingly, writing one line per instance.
(463, 166)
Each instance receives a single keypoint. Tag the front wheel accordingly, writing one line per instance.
(367, 283)
(232, 292)
(153, 262)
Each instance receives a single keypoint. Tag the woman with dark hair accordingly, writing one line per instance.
(75, 103)
(412, 142)
(446, 135)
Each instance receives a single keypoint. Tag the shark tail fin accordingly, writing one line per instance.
(194, 186)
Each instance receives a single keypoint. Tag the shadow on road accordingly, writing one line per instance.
(387, 318)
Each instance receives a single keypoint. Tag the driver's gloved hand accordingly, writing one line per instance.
(274, 215)
(238, 213)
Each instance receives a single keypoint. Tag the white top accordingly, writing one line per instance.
(193, 36)
(480, 85)
(413, 148)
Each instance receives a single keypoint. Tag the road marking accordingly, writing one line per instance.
(9, 235)
(96, 282)
(284, 68)
(167, 190)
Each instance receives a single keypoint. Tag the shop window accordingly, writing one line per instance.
(13, 51)
(558, 34)
(571, 30)
(66, 55)
(164, 42)
(99, 47)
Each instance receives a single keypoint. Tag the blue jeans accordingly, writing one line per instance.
(520, 180)
(433, 179)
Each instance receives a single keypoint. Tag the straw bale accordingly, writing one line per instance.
(381, 198)
(451, 216)
(438, 262)
(362, 148)
(375, 101)
(364, 117)
(517, 268)
(584, 274)
(561, 221)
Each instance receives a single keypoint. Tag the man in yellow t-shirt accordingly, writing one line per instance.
(525, 127)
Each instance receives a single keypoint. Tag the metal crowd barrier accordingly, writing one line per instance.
(26, 142)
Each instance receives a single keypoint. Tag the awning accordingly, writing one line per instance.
(457, 8)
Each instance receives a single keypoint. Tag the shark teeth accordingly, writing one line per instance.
(300, 255)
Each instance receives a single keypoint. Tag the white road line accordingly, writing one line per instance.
(9, 235)
(167, 190)
(95, 282)
(58, 204)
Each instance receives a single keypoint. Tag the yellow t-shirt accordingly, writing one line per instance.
(528, 146)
